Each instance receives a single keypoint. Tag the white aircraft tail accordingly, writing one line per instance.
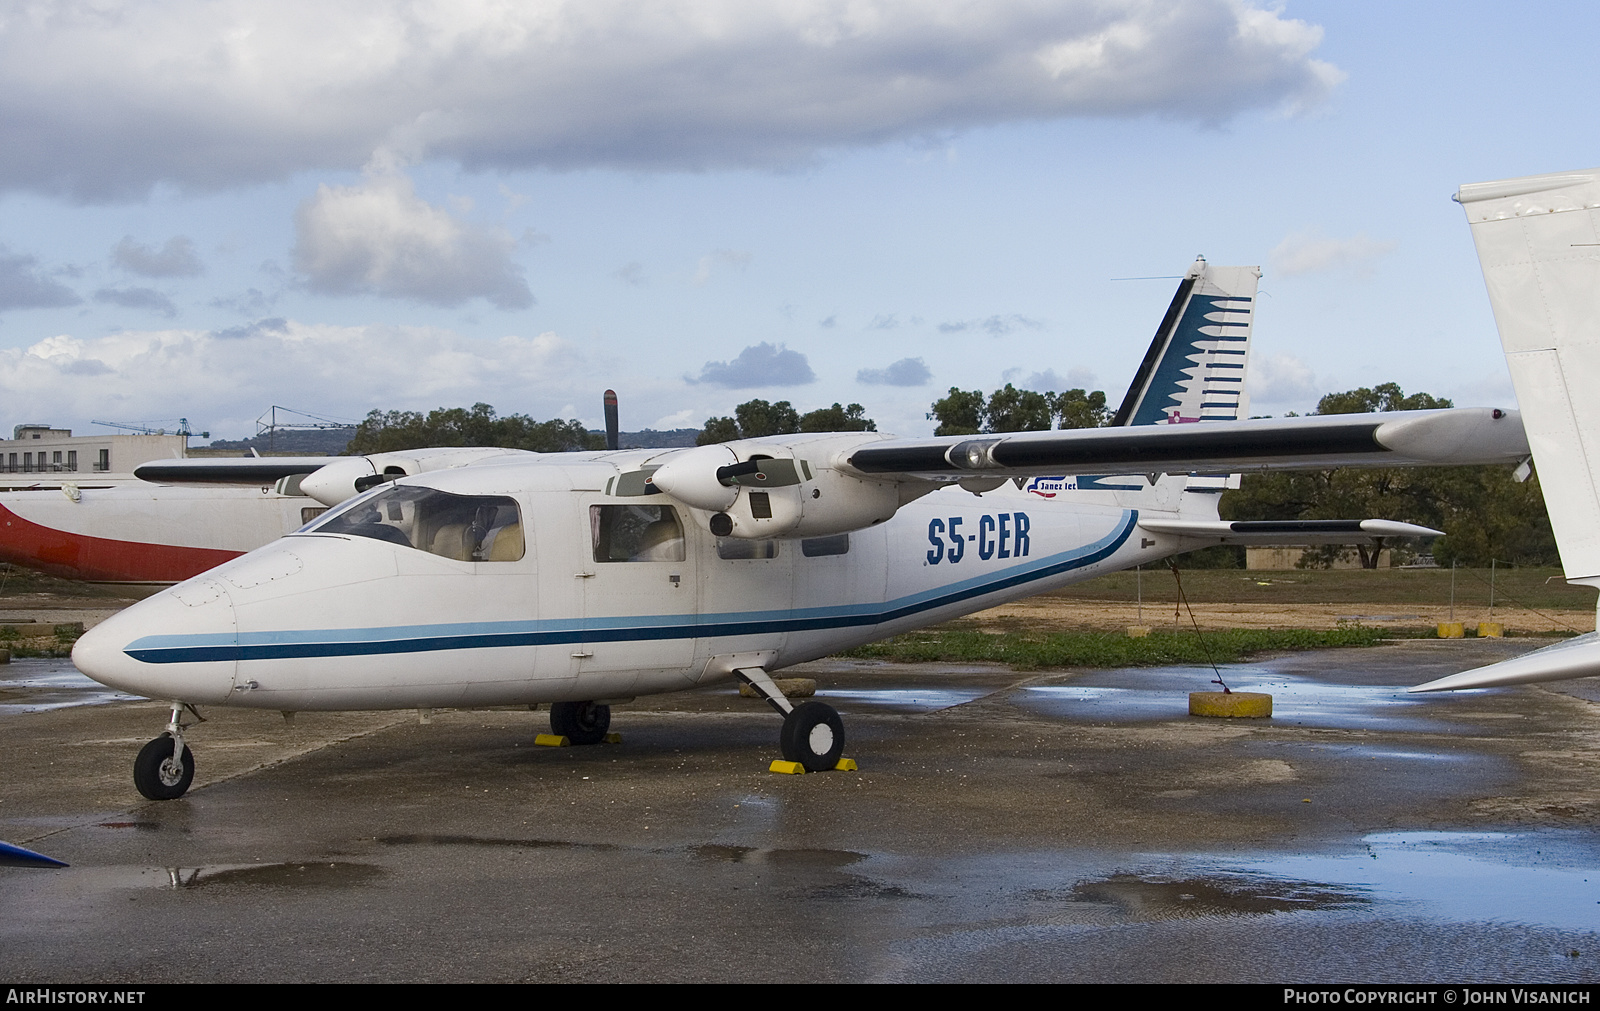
(1194, 371)
(1195, 368)
(1538, 241)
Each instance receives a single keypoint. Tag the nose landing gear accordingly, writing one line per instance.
(812, 734)
(165, 766)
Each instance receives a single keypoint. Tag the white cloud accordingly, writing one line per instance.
(905, 372)
(994, 326)
(106, 98)
(1051, 381)
(1308, 252)
(175, 258)
(380, 238)
(344, 370)
(738, 259)
(759, 365)
(1283, 382)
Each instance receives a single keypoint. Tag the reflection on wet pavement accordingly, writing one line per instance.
(39, 685)
(1237, 895)
(292, 875)
(1162, 693)
(1543, 879)
(920, 699)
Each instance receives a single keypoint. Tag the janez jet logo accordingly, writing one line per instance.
(1001, 536)
(1049, 487)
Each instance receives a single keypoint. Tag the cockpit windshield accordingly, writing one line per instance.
(468, 528)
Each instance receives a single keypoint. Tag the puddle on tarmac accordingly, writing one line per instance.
(311, 874)
(36, 686)
(1162, 693)
(1234, 895)
(921, 699)
(795, 858)
(491, 842)
(1548, 879)
(1545, 879)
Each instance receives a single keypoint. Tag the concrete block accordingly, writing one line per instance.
(1254, 705)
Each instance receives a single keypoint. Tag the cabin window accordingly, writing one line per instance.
(817, 547)
(740, 547)
(468, 528)
(635, 533)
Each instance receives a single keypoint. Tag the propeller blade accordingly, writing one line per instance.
(611, 419)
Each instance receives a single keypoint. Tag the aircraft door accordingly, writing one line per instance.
(637, 583)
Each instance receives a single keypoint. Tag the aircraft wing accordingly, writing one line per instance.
(1294, 532)
(1578, 657)
(1393, 439)
(241, 470)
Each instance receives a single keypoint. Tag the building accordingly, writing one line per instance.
(40, 455)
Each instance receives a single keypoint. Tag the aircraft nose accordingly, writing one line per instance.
(174, 645)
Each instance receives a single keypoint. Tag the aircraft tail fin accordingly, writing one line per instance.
(1538, 241)
(1195, 367)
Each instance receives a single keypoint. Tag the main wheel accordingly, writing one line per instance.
(580, 722)
(813, 735)
(159, 775)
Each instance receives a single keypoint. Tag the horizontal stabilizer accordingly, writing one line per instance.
(1288, 532)
(1576, 658)
(1392, 439)
(245, 470)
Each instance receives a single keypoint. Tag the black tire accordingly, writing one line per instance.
(157, 776)
(580, 722)
(813, 735)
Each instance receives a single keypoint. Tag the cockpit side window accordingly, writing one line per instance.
(635, 533)
(468, 528)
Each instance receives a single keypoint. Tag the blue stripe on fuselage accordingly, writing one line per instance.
(289, 644)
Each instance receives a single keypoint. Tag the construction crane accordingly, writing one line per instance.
(182, 429)
(271, 428)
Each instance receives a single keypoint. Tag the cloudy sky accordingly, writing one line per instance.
(211, 206)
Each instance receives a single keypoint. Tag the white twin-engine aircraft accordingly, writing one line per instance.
(487, 577)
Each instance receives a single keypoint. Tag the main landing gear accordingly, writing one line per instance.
(580, 722)
(812, 734)
(165, 766)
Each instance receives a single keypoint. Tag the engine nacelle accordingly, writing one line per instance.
(769, 488)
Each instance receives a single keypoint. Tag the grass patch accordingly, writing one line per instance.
(1030, 651)
(1539, 588)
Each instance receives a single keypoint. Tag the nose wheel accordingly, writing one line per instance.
(813, 733)
(165, 766)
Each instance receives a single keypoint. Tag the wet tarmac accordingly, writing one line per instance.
(1004, 826)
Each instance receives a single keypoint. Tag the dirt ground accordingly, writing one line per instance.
(1047, 612)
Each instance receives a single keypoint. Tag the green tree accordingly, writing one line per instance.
(1484, 511)
(391, 431)
(959, 413)
(964, 412)
(1077, 409)
(756, 418)
(838, 419)
(1013, 410)
(717, 430)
